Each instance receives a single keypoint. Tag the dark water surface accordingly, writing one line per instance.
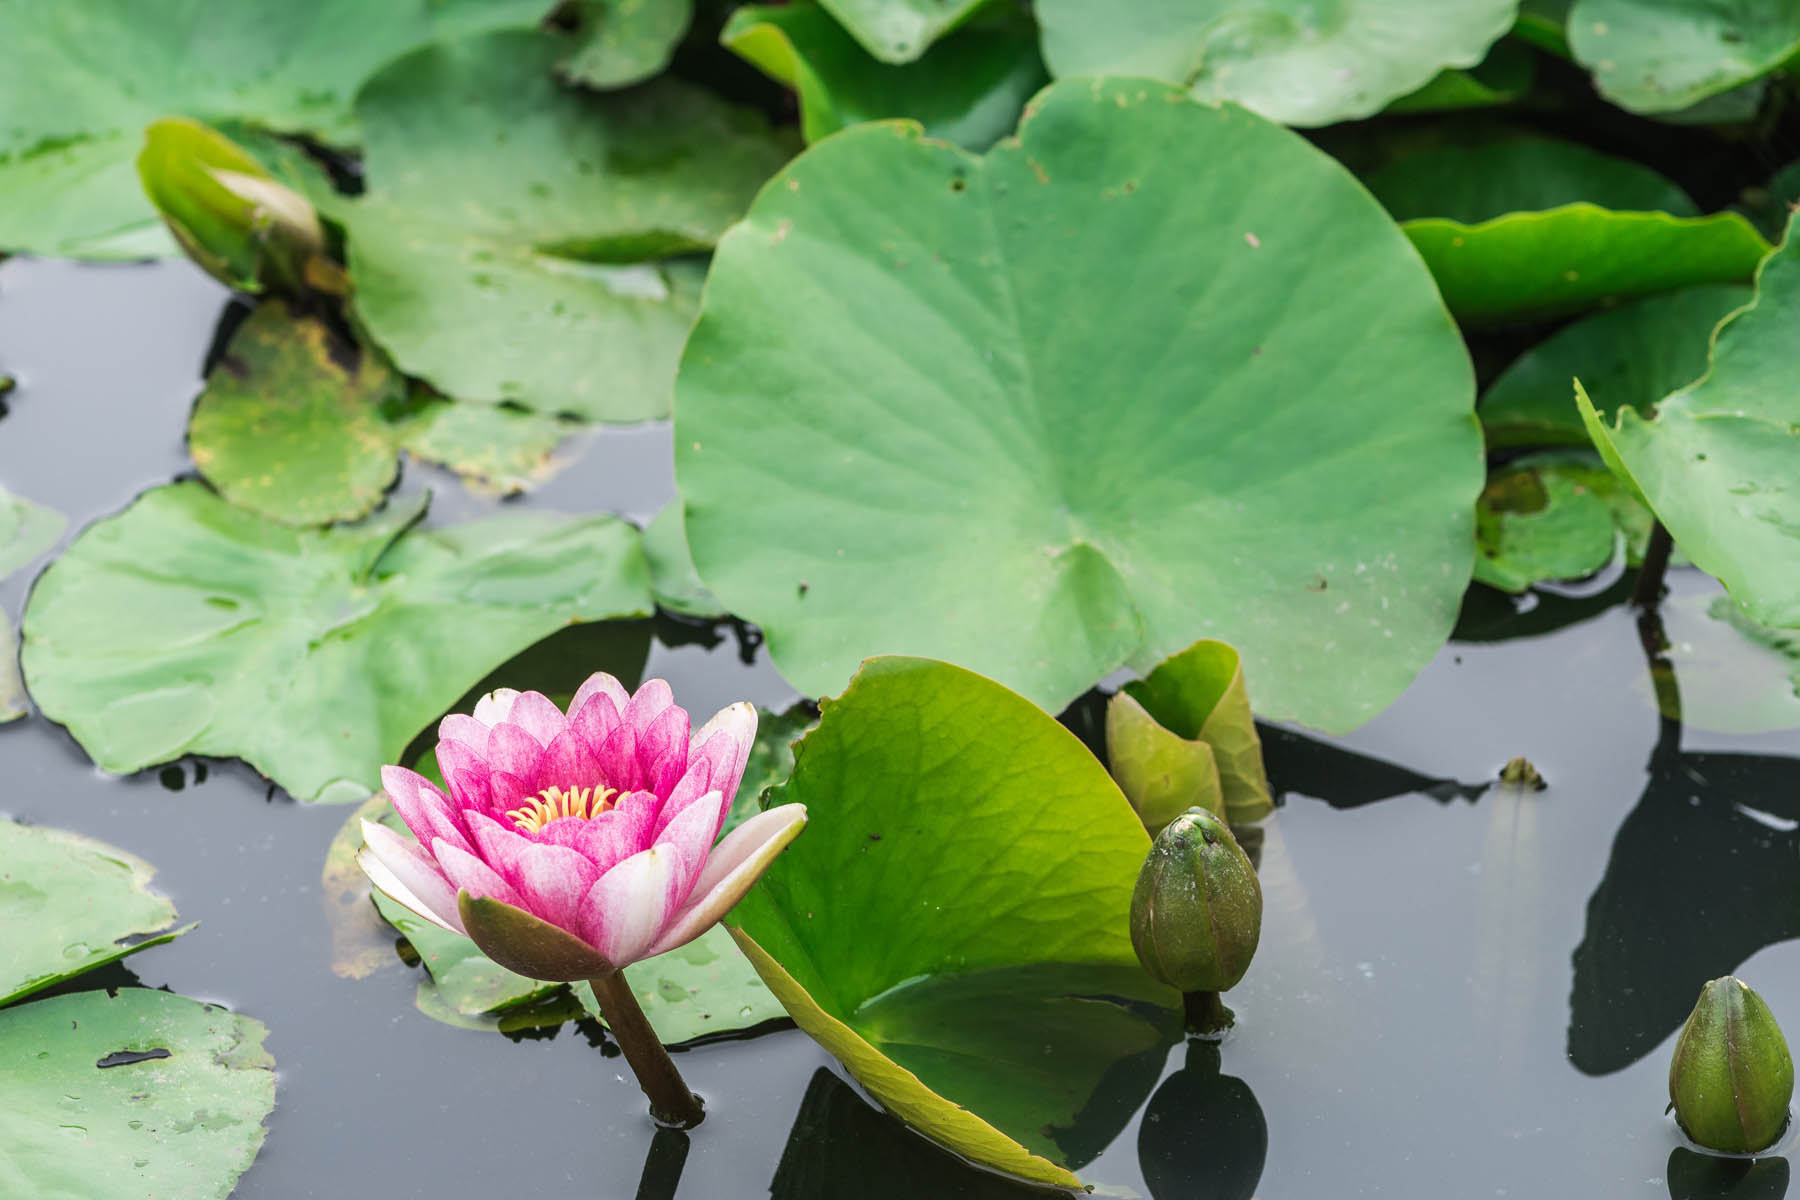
(1461, 991)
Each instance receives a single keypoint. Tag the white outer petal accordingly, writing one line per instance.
(495, 707)
(738, 719)
(633, 903)
(387, 859)
(737, 863)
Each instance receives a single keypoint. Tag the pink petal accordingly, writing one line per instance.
(693, 785)
(611, 837)
(458, 727)
(535, 714)
(648, 703)
(499, 846)
(507, 792)
(402, 870)
(724, 742)
(593, 719)
(600, 684)
(426, 810)
(662, 749)
(691, 832)
(469, 790)
(737, 863)
(455, 755)
(618, 759)
(624, 911)
(493, 708)
(469, 874)
(554, 880)
(568, 764)
(513, 750)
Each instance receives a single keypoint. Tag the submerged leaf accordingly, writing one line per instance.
(184, 625)
(996, 447)
(163, 1097)
(70, 904)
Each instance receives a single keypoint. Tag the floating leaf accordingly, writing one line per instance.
(465, 979)
(1656, 55)
(1503, 76)
(1297, 64)
(1627, 357)
(995, 447)
(1536, 265)
(1719, 460)
(1199, 695)
(185, 625)
(1516, 171)
(26, 531)
(952, 925)
(70, 904)
(625, 41)
(143, 1094)
(528, 280)
(497, 448)
(968, 88)
(677, 584)
(80, 80)
(1536, 523)
(706, 987)
(361, 941)
(899, 31)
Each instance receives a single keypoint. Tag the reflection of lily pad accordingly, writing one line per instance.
(1720, 461)
(530, 279)
(963, 844)
(1658, 55)
(70, 904)
(145, 1094)
(1627, 357)
(623, 42)
(997, 448)
(967, 89)
(82, 78)
(1301, 64)
(184, 625)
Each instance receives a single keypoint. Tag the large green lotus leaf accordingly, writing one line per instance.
(1627, 357)
(1537, 265)
(1719, 462)
(1658, 55)
(1537, 523)
(501, 250)
(26, 531)
(958, 903)
(996, 447)
(185, 625)
(143, 1094)
(1502, 77)
(70, 904)
(899, 31)
(1516, 171)
(968, 88)
(625, 41)
(80, 80)
(1293, 61)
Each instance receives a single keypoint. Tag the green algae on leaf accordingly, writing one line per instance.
(963, 882)
(70, 904)
(968, 88)
(1067, 466)
(1297, 64)
(540, 278)
(186, 625)
(142, 1094)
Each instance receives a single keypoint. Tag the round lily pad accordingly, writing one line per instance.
(506, 246)
(1535, 523)
(997, 447)
(1301, 64)
(1657, 55)
(625, 41)
(70, 904)
(142, 1094)
(187, 626)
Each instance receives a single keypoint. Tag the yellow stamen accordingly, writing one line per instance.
(553, 804)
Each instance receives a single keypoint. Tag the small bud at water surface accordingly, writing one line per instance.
(1196, 914)
(1731, 1078)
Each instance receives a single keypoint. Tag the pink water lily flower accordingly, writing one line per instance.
(571, 845)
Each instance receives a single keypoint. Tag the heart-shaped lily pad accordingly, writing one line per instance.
(1301, 64)
(1719, 461)
(953, 923)
(70, 904)
(1655, 56)
(80, 80)
(185, 625)
(967, 89)
(1063, 465)
(142, 1094)
(531, 279)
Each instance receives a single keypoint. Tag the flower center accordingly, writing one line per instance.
(553, 804)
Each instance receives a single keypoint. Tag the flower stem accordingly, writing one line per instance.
(672, 1105)
(1647, 592)
(1207, 1016)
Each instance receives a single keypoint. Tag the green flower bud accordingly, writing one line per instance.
(1196, 914)
(1731, 1078)
(243, 226)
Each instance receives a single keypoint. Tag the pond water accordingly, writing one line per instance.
(1461, 990)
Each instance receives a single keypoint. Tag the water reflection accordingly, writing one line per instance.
(1203, 1136)
(1702, 1177)
(838, 1137)
(662, 1165)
